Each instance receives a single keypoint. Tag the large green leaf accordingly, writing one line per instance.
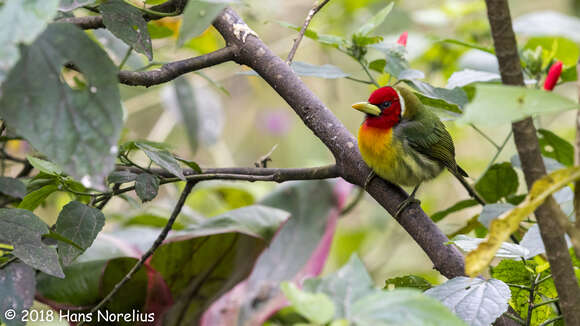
(345, 287)
(146, 186)
(80, 287)
(79, 223)
(24, 231)
(376, 20)
(12, 187)
(221, 249)
(499, 104)
(325, 71)
(20, 22)
(163, 158)
(317, 308)
(127, 23)
(408, 281)
(478, 302)
(18, 286)
(76, 128)
(197, 17)
(36, 197)
(553, 146)
(499, 181)
(402, 307)
(469, 76)
(183, 97)
(558, 48)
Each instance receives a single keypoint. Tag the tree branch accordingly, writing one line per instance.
(176, 210)
(94, 22)
(526, 141)
(254, 53)
(315, 8)
(172, 70)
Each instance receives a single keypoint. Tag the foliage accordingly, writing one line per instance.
(83, 195)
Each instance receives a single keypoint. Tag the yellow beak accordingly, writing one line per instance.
(368, 108)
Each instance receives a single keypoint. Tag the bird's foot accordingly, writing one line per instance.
(369, 179)
(406, 203)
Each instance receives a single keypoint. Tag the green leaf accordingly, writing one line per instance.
(555, 48)
(455, 97)
(18, 286)
(127, 23)
(555, 147)
(569, 74)
(395, 57)
(499, 181)
(152, 221)
(255, 220)
(408, 281)
(146, 186)
(376, 20)
(79, 288)
(468, 76)
(15, 14)
(197, 17)
(439, 104)
(155, 2)
(44, 166)
(57, 236)
(122, 176)
(477, 301)
(35, 198)
(455, 208)
(77, 129)
(345, 287)
(162, 158)
(325, 71)
(402, 307)
(516, 104)
(184, 98)
(317, 308)
(191, 164)
(81, 224)
(12, 187)
(24, 231)
(69, 5)
(516, 272)
(378, 65)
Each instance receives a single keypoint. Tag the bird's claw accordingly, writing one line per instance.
(406, 203)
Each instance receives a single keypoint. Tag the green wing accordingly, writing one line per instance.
(428, 136)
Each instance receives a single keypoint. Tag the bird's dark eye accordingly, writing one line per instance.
(385, 105)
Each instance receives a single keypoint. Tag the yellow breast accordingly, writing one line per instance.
(392, 160)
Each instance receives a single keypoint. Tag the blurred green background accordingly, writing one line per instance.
(241, 118)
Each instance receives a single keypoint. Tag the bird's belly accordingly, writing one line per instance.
(393, 160)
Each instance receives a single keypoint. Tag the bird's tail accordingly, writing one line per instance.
(460, 174)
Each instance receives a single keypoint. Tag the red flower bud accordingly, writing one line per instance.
(403, 39)
(553, 76)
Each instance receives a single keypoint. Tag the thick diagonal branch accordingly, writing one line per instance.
(533, 166)
(324, 124)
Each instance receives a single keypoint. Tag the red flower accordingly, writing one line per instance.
(403, 39)
(553, 76)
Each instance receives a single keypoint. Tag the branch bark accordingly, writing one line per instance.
(528, 149)
(172, 70)
(326, 127)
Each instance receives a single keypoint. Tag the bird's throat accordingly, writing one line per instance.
(384, 121)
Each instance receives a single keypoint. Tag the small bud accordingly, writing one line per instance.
(553, 76)
(403, 39)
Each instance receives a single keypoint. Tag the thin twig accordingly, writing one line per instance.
(546, 302)
(531, 298)
(176, 210)
(484, 135)
(359, 196)
(549, 321)
(262, 162)
(368, 82)
(126, 57)
(368, 73)
(242, 174)
(516, 318)
(315, 8)
(494, 158)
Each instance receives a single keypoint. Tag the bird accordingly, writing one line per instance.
(405, 143)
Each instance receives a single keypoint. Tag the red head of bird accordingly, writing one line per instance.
(384, 108)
